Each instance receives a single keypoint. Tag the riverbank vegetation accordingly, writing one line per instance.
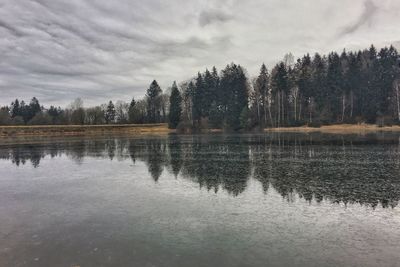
(350, 87)
(82, 130)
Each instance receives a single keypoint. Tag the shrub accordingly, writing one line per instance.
(41, 118)
(18, 120)
(4, 117)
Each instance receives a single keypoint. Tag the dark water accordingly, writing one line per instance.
(220, 200)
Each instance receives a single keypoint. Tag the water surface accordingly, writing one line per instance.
(206, 200)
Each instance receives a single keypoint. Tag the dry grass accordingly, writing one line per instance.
(338, 129)
(140, 129)
(79, 130)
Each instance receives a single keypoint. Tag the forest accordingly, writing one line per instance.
(349, 87)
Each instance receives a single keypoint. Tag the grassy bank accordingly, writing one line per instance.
(82, 130)
(140, 129)
(338, 129)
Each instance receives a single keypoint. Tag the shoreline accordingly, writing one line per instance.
(337, 129)
(82, 130)
(162, 128)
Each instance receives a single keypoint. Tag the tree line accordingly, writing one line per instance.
(351, 87)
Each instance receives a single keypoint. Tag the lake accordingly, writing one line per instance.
(275, 199)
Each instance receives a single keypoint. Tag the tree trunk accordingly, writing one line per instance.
(300, 110)
(398, 101)
(283, 108)
(270, 115)
(258, 109)
(279, 110)
(265, 111)
(343, 106)
(351, 103)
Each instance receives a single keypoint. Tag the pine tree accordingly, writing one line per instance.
(234, 85)
(198, 98)
(319, 90)
(154, 102)
(132, 111)
(175, 107)
(371, 92)
(54, 113)
(216, 113)
(110, 113)
(334, 85)
(15, 109)
(209, 93)
(280, 88)
(33, 109)
(262, 88)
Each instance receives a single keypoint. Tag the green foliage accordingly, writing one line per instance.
(110, 113)
(41, 118)
(78, 116)
(175, 107)
(350, 87)
(154, 103)
(234, 87)
(133, 112)
(95, 116)
(216, 116)
(245, 120)
(198, 98)
(261, 89)
(5, 118)
(17, 120)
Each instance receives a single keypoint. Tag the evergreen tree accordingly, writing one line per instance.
(234, 85)
(110, 113)
(175, 107)
(261, 90)
(132, 111)
(317, 95)
(334, 86)
(280, 88)
(216, 112)
(54, 113)
(33, 109)
(198, 98)
(15, 109)
(154, 102)
(360, 86)
(370, 107)
(209, 93)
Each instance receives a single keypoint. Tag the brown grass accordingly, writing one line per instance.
(81, 130)
(338, 129)
(162, 128)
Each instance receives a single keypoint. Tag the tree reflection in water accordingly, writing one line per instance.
(341, 169)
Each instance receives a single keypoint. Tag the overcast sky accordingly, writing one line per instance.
(99, 50)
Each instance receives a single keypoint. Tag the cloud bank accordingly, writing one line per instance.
(101, 50)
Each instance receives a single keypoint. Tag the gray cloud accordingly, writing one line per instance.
(101, 50)
(11, 29)
(213, 16)
(370, 9)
